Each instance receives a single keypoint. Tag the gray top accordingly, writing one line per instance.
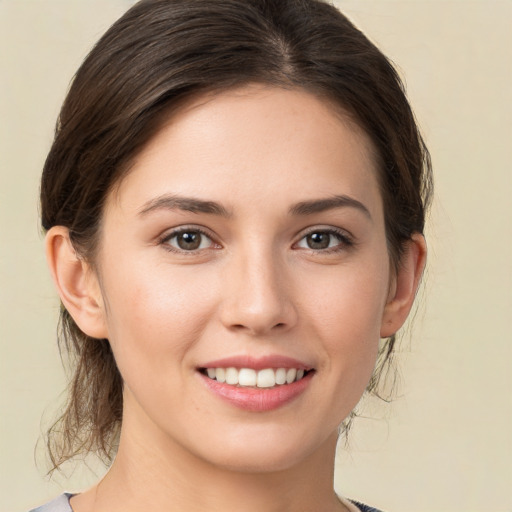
(60, 504)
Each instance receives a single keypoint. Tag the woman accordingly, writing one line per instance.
(234, 205)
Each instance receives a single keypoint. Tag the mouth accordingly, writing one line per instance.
(257, 384)
(265, 378)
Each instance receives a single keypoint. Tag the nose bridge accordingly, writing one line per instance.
(257, 293)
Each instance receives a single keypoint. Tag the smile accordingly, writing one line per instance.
(249, 377)
(257, 384)
(257, 387)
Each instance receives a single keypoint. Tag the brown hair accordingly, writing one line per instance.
(162, 52)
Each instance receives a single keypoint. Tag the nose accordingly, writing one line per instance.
(258, 295)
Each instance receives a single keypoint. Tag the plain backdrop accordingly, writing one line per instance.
(445, 444)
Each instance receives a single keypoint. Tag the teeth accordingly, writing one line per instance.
(280, 376)
(291, 373)
(220, 374)
(266, 378)
(231, 376)
(247, 377)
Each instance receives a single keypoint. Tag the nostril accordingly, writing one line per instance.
(242, 327)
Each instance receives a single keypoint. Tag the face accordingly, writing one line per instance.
(244, 275)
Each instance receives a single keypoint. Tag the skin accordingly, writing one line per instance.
(253, 287)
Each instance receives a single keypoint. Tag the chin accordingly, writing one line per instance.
(267, 453)
(251, 463)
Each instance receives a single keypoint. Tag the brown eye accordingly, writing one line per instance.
(319, 240)
(190, 240)
(325, 240)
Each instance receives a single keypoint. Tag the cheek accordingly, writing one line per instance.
(349, 302)
(154, 316)
(346, 309)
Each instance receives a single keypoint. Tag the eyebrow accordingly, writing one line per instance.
(189, 204)
(330, 203)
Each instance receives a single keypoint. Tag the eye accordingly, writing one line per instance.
(324, 240)
(188, 240)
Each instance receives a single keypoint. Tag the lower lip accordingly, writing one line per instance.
(258, 399)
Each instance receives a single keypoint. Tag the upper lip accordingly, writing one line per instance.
(257, 363)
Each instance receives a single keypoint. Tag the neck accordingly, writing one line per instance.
(154, 473)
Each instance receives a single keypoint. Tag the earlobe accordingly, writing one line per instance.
(405, 286)
(76, 283)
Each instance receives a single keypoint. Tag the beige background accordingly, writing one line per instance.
(446, 443)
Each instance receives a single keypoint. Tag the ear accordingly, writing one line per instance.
(76, 283)
(404, 286)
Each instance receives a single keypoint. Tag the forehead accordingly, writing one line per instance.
(255, 143)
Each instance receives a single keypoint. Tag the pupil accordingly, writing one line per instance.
(319, 240)
(189, 241)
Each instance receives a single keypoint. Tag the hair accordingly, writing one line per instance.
(161, 53)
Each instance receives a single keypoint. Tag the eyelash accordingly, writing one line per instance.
(345, 240)
(165, 240)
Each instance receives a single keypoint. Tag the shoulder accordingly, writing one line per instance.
(364, 508)
(357, 506)
(60, 504)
